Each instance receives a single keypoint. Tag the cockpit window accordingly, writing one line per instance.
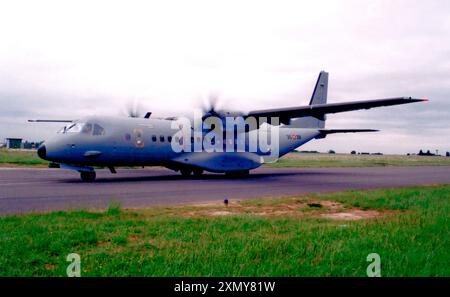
(98, 130)
(74, 128)
(87, 128)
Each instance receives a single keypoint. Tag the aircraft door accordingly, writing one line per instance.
(138, 145)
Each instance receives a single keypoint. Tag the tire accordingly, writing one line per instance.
(236, 174)
(198, 172)
(186, 172)
(87, 176)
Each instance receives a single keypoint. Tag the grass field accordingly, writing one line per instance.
(316, 235)
(347, 160)
(14, 158)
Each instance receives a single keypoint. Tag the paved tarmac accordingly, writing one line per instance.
(41, 190)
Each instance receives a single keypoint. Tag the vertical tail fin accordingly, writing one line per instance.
(319, 96)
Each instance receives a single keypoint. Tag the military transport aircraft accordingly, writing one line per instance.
(132, 141)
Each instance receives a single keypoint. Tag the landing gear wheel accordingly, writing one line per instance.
(87, 176)
(198, 172)
(240, 173)
(186, 172)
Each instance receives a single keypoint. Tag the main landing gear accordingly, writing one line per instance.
(188, 171)
(197, 172)
(236, 174)
(87, 176)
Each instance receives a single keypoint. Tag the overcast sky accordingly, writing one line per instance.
(64, 61)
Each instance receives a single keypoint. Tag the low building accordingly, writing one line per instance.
(13, 143)
(30, 145)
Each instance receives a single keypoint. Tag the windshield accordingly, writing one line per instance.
(86, 128)
(76, 128)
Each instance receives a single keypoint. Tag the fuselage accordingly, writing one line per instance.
(120, 141)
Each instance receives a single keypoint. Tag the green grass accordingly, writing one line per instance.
(21, 158)
(412, 238)
(346, 160)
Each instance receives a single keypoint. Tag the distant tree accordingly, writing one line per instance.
(353, 153)
(428, 153)
(331, 152)
(420, 153)
(447, 154)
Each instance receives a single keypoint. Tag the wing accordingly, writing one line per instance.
(319, 110)
(50, 121)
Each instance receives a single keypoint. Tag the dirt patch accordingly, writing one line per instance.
(331, 204)
(352, 215)
(50, 266)
(221, 213)
(133, 237)
(294, 207)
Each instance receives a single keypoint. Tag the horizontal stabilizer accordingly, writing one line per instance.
(333, 131)
(325, 132)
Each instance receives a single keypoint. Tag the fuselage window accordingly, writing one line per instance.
(161, 138)
(98, 130)
(154, 138)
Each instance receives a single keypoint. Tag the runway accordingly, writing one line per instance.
(41, 190)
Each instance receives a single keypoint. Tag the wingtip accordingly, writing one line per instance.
(416, 99)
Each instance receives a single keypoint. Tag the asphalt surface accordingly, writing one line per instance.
(40, 190)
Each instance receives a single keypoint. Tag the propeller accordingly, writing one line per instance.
(210, 107)
(133, 109)
(213, 107)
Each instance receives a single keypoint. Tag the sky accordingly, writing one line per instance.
(65, 60)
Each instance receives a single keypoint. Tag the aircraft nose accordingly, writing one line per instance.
(42, 152)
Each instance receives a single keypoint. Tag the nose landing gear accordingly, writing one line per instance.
(87, 176)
